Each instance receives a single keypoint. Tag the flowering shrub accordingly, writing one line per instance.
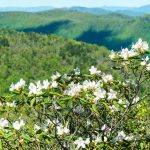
(82, 111)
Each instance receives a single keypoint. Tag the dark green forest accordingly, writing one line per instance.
(33, 56)
(36, 45)
(112, 30)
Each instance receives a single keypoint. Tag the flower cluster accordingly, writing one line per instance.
(19, 85)
(78, 111)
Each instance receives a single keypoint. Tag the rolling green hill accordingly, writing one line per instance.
(111, 30)
(33, 56)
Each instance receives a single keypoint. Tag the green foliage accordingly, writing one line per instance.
(111, 30)
(81, 111)
(31, 56)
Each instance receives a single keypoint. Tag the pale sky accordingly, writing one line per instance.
(68, 3)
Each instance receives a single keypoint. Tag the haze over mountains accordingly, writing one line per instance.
(133, 11)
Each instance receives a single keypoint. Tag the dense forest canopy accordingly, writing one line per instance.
(112, 30)
(31, 56)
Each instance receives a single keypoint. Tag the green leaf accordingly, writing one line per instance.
(142, 146)
(94, 108)
(70, 103)
(83, 101)
(27, 138)
(8, 135)
(64, 101)
(32, 103)
(1, 145)
(2, 133)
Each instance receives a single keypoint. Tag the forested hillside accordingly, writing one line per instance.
(111, 30)
(35, 56)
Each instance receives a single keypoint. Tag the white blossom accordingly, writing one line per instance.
(79, 109)
(105, 139)
(54, 84)
(145, 61)
(62, 130)
(18, 85)
(148, 67)
(94, 71)
(103, 127)
(36, 128)
(13, 104)
(129, 137)
(46, 84)
(112, 55)
(140, 46)
(90, 85)
(98, 139)
(77, 71)
(35, 89)
(99, 94)
(107, 78)
(82, 143)
(125, 53)
(18, 124)
(89, 122)
(74, 89)
(66, 77)
(135, 100)
(121, 136)
(3, 123)
(114, 108)
(48, 122)
(56, 76)
(112, 94)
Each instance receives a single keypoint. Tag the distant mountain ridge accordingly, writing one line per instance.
(112, 30)
(132, 11)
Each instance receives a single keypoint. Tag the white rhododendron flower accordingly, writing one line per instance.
(145, 61)
(112, 94)
(135, 100)
(66, 77)
(107, 78)
(125, 53)
(35, 89)
(94, 71)
(18, 124)
(148, 67)
(140, 46)
(122, 136)
(79, 109)
(18, 85)
(129, 137)
(112, 55)
(46, 84)
(99, 94)
(13, 104)
(82, 143)
(54, 84)
(113, 108)
(36, 128)
(90, 85)
(56, 76)
(3, 123)
(77, 71)
(98, 139)
(74, 89)
(103, 127)
(62, 130)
